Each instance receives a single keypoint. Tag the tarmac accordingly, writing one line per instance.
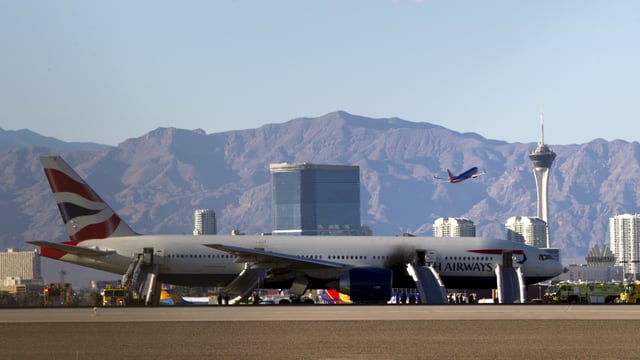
(322, 332)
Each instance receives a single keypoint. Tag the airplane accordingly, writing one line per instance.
(454, 179)
(363, 267)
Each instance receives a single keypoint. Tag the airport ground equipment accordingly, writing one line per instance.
(591, 293)
(60, 294)
(115, 296)
(630, 293)
(141, 277)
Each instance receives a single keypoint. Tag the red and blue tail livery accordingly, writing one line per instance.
(85, 215)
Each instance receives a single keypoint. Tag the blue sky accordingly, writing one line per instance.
(111, 70)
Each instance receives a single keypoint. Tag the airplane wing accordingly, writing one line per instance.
(71, 249)
(273, 259)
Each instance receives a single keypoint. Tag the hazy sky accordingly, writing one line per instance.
(106, 71)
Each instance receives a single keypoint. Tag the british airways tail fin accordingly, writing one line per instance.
(85, 215)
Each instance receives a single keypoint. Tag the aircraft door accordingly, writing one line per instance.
(425, 257)
(158, 256)
(147, 255)
(421, 257)
(507, 259)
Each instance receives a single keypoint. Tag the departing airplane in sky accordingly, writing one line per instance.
(470, 173)
(363, 267)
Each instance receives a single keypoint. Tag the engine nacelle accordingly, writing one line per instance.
(367, 284)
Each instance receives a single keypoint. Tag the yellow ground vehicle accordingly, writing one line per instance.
(630, 293)
(595, 293)
(115, 296)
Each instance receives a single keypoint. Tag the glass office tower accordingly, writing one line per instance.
(312, 199)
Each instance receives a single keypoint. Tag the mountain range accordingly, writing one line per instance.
(156, 181)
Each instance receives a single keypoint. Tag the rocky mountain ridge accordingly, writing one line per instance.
(156, 181)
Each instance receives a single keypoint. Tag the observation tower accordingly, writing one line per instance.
(542, 159)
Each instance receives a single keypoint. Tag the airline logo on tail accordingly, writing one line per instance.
(85, 215)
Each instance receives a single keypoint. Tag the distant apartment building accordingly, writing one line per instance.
(453, 227)
(19, 267)
(528, 230)
(315, 199)
(204, 222)
(624, 235)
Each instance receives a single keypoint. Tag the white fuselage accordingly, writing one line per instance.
(460, 261)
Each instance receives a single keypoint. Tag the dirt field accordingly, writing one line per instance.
(435, 339)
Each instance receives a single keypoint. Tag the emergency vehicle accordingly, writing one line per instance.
(115, 296)
(630, 293)
(592, 293)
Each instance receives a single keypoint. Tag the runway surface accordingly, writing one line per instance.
(323, 313)
(323, 332)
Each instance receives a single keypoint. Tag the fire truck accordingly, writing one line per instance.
(58, 295)
(115, 296)
(594, 293)
(630, 293)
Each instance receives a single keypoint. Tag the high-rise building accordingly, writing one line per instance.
(624, 235)
(204, 222)
(528, 230)
(542, 159)
(453, 227)
(23, 266)
(314, 199)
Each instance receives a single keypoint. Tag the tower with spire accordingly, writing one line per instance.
(542, 159)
